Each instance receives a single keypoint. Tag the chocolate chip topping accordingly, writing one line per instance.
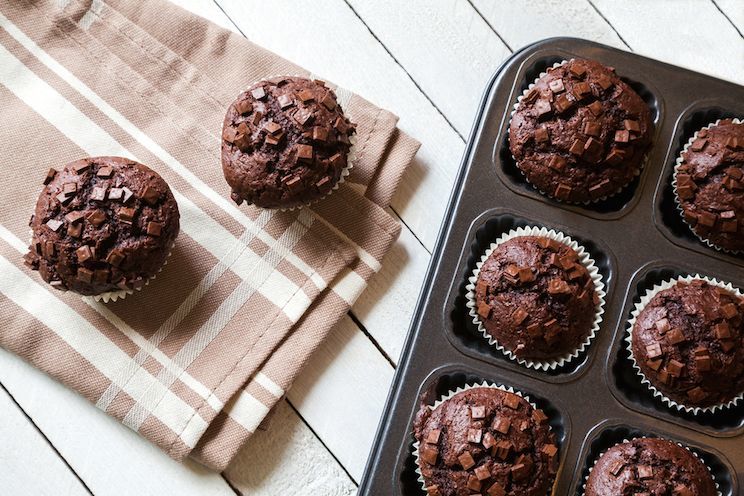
(535, 297)
(688, 342)
(710, 185)
(285, 143)
(507, 450)
(597, 125)
(649, 466)
(87, 241)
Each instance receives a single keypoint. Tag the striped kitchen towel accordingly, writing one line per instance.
(197, 359)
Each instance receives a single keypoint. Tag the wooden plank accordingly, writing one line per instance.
(445, 46)
(327, 37)
(106, 455)
(341, 394)
(688, 33)
(287, 458)
(522, 22)
(734, 10)
(28, 464)
(386, 306)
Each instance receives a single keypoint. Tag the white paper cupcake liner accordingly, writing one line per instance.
(584, 259)
(485, 384)
(594, 464)
(550, 195)
(351, 156)
(679, 161)
(645, 299)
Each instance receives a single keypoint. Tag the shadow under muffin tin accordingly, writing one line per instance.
(637, 239)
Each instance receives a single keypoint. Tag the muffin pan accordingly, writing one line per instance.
(637, 239)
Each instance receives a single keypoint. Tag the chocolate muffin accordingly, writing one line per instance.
(535, 297)
(687, 342)
(581, 133)
(710, 185)
(649, 466)
(485, 441)
(102, 224)
(285, 143)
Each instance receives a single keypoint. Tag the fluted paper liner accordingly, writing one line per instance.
(550, 195)
(645, 299)
(586, 478)
(677, 201)
(450, 394)
(584, 259)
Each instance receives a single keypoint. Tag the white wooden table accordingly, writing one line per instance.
(428, 61)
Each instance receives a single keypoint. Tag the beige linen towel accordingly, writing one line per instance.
(197, 359)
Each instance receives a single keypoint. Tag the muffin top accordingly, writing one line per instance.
(102, 224)
(580, 134)
(649, 466)
(486, 441)
(285, 143)
(535, 297)
(710, 185)
(688, 342)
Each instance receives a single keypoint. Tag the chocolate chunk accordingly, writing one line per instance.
(512, 401)
(482, 472)
(304, 152)
(604, 82)
(74, 216)
(654, 350)
(126, 214)
(496, 490)
(473, 483)
(478, 412)
(543, 108)
(541, 135)
(272, 127)
(645, 472)
(595, 108)
(539, 416)
(577, 69)
(258, 93)
(703, 363)
(557, 163)
(150, 195)
(69, 188)
(558, 286)
(466, 460)
(698, 144)
(502, 449)
(433, 436)
(285, 101)
(622, 136)
(484, 310)
(475, 435)
(676, 336)
(729, 310)
(577, 147)
(520, 471)
(592, 150)
(115, 194)
(488, 440)
(675, 368)
(722, 331)
(96, 217)
(154, 228)
(75, 230)
(115, 257)
(51, 173)
(244, 107)
(85, 275)
(562, 191)
(98, 193)
(592, 128)
(328, 101)
(429, 453)
(105, 172)
(581, 90)
(54, 224)
(556, 86)
(501, 424)
(84, 253)
(320, 134)
(632, 126)
(519, 316)
(562, 104)
(82, 166)
(697, 394)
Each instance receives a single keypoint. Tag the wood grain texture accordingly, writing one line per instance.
(28, 464)
(109, 457)
(688, 33)
(287, 458)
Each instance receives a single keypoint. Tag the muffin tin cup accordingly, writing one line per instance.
(584, 259)
(710, 471)
(351, 156)
(645, 299)
(596, 200)
(485, 384)
(677, 164)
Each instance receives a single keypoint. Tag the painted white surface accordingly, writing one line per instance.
(428, 62)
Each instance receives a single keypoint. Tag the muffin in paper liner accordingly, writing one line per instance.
(113, 296)
(485, 384)
(645, 299)
(351, 156)
(678, 162)
(508, 125)
(584, 259)
(710, 471)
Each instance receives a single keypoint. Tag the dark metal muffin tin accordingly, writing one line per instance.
(637, 239)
